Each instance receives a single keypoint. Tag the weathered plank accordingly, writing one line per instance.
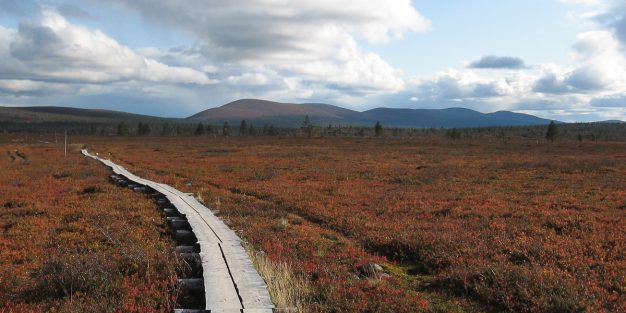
(231, 282)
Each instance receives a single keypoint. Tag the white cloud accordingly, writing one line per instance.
(617, 101)
(601, 60)
(313, 41)
(53, 50)
(258, 28)
(601, 67)
(497, 62)
(22, 86)
(467, 84)
(248, 79)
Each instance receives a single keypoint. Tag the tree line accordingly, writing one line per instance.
(553, 132)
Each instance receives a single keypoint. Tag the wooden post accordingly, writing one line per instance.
(65, 155)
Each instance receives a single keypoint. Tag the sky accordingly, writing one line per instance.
(557, 59)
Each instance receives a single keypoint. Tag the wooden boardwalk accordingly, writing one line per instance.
(231, 283)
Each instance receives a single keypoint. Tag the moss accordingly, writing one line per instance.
(436, 303)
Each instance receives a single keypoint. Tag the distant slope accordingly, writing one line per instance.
(50, 118)
(261, 112)
(276, 113)
(612, 122)
(50, 114)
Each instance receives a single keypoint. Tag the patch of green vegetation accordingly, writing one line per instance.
(437, 304)
(445, 306)
(402, 272)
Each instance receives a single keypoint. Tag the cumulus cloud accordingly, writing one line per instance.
(313, 41)
(611, 15)
(498, 62)
(620, 29)
(553, 80)
(467, 84)
(617, 101)
(599, 55)
(259, 28)
(52, 49)
(601, 65)
(248, 79)
(17, 87)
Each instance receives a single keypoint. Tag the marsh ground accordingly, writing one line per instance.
(457, 225)
(72, 242)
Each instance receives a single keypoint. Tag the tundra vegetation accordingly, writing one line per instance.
(455, 225)
(396, 223)
(72, 242)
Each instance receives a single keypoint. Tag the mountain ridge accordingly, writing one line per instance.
(279, 114)
(68, 114)
(292, 115)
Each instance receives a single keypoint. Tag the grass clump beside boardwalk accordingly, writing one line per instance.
(288, 290)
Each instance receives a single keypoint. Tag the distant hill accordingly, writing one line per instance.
(612, 122)
(51, 114)
(52, 118)
(262, 112)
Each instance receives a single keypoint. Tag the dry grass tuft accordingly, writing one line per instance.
(287, 290)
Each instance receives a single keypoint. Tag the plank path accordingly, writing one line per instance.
(231, 283)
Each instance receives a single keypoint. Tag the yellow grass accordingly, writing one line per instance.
(288, 291)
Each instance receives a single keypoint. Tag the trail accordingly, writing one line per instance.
(231, 283)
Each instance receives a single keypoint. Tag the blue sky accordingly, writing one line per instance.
(560, 59)
(469, 29)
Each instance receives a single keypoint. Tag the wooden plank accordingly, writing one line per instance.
(231, 281)
(220, 292)
(252, 288)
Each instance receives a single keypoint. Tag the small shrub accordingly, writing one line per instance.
(66, 274)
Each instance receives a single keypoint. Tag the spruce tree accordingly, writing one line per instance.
(166, 129)
(378, 129)
(552, 131)
(226, 129)
(243, 128)
(199, 129)
(122, 129)
(307, 127)
(143, 129)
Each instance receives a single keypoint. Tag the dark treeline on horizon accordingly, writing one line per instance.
(564, 131)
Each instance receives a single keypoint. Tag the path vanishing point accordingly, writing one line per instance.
(231, 283)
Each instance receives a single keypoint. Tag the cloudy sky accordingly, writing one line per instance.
(560, 59)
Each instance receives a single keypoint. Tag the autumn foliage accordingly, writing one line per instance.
(457, 225)
(72, 242)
